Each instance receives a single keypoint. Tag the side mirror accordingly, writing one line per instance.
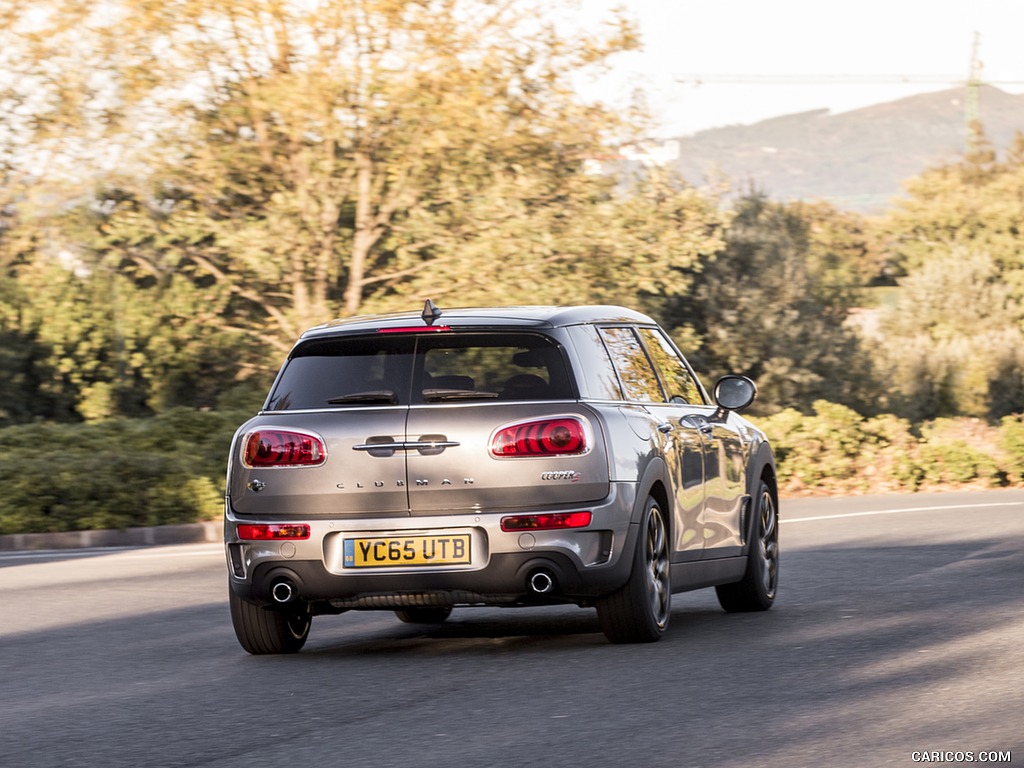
(734, 393)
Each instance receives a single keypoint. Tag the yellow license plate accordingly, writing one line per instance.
(401, 551)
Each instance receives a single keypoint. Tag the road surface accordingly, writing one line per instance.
(897, 638)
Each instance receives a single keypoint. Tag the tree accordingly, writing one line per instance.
(952, 340)
(586, 239)
(328, 158)
(977, 201)
(952, 344)
(313, 155)
(770, 305)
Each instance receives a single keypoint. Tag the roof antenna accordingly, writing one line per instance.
(430, 312)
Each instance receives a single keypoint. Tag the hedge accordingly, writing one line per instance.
(124, 473)
(119, 473)
(835, 450)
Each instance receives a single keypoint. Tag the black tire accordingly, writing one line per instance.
(264, 630)
(639, 611)
(756, 591)
(432, 615)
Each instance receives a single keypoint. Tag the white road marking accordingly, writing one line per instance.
(783, 520)
(126, 553)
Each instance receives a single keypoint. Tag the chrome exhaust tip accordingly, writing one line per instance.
(283, 591)
(541, 582)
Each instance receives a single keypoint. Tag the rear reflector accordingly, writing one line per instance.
(562, 436)
(273, 532)
(547, 522)
(266, 448)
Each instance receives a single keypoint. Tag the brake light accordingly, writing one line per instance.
(283, 448)
(547, 522)
(416, 329)
(273, 532)
(564, 436)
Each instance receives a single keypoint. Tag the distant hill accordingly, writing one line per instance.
(857, 160)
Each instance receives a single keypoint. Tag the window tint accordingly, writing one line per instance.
(676, 377)
(367, 370)
(500, 366)
(601, 383)
(635, 372)
(402, 369)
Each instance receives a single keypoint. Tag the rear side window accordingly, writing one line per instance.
(386, 369)
(639, 381)
(679, 382)
(601, 380)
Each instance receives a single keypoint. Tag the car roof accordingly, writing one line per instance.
(516, 316)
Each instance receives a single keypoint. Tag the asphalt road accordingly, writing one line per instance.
(899, 629)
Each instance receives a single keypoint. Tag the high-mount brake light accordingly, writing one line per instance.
(546, 522)
(266, 448)
(416, 329)
(561, 436)
(273, 531)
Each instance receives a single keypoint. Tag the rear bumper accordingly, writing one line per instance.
(505, 581)
(580, 563)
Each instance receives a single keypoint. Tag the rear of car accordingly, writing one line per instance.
(410, 466)
(483, 457)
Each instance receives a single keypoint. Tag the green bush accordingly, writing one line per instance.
(837, 450)
(118, 473)
(122, 473)
(1011, 441)
(957, 463)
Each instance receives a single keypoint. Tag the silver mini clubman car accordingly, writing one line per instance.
(505, 456)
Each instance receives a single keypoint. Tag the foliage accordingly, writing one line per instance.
(837, 450)
(320, 151)
(117, 473)
(313, 160)
(952, 344)
(168, 469)
(636, 246)
(772, 305)
(974, 202)
(185, 187)
(955, 451)
(1011, 442)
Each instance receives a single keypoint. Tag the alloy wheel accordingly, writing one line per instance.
(769, 543)
(657, 564)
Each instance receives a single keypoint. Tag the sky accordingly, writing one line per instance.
(843, 42)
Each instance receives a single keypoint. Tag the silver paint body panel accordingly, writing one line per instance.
(434, 474)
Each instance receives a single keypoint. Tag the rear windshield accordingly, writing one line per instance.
(386, 369)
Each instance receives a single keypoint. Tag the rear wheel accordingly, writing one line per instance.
(424, 615)
(262, 630)
(638, 612)
(756, 592)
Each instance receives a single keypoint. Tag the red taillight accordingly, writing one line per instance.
(416, 329)
(548, 522)
(563, 436)
(273, 532)
(283, 448)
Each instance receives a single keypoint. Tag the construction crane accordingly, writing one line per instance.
(973, 100)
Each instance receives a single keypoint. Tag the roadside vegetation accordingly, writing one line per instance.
(184, 188)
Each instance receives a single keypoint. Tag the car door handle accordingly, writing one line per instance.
(665, 427)
(699, 423)
(426, 447)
